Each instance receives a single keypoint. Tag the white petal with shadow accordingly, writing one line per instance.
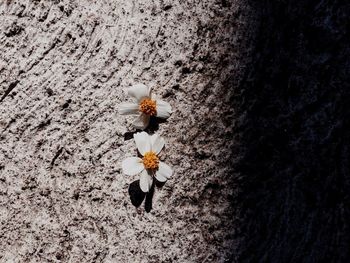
(132, 166)
(146, 181)
(163, 109)
(164, 170)
(160, 177)
(157, 143)
(141, 122)
(139, 91)
(128, 108)
(143, 142)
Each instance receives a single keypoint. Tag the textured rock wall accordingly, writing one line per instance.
(258, 138)
(63, 67)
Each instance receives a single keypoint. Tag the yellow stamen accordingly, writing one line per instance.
(148, 107)
(150, 160)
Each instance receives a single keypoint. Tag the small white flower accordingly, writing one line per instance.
(144, 105)
(149, 166)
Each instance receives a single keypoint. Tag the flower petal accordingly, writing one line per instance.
(164, 170)
(139, 91)
(128, 108)
(141, 122)
(132, 166)
(146, 181)
(143, 142)
(157, 143)
(160, 177)
(163, 109)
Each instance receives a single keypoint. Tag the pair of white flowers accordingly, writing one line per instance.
(149, 146)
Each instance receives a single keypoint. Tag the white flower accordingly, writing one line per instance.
(149, 166)
(144, 105)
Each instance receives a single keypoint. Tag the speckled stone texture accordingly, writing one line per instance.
(259, 139)
(63, 68)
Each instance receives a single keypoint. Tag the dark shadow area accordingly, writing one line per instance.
(293, 133)
(159, 184)
(154, 124)
(136, 194)
(149, 199)
(129, 135)
(152, 128)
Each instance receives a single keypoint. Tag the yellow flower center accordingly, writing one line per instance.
(148, 107)
(150, 160)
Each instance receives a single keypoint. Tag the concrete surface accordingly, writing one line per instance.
(63, 68)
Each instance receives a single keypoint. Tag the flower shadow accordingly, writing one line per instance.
(129, 135)
(153, 126)
(137, 195)
(149, 199)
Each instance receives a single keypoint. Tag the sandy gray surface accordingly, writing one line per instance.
(63, 68)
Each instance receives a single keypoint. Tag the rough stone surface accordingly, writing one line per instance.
(63, 68)
(259, 138)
